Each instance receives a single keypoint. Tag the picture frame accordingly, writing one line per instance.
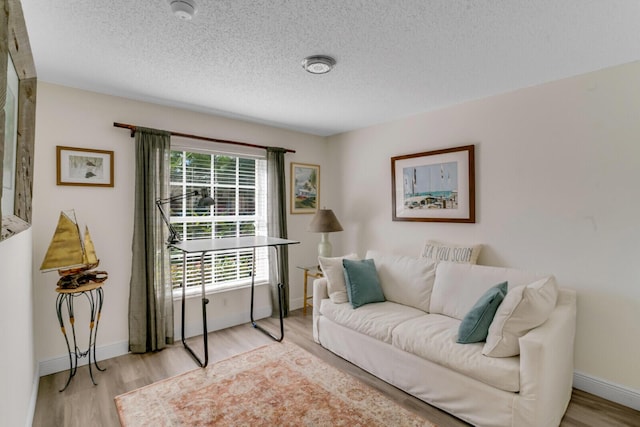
(305, 188)
(434, 186)
(84, 167)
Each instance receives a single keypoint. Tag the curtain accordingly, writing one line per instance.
(150, 293)
(277, 225)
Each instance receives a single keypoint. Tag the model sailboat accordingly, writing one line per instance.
(73, 256)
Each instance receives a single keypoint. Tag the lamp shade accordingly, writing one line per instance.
(324, 221)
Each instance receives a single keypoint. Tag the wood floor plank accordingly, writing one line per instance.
(84, 404)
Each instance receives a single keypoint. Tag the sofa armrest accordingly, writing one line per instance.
(546, 365)
(320, 292)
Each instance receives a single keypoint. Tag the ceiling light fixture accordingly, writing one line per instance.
(183, 9)
(318, 64)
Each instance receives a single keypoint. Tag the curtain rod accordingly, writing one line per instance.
(133, 128)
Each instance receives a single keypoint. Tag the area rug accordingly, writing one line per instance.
(279, 384)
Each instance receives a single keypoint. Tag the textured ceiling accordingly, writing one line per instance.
(241, 58)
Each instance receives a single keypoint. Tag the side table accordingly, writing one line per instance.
(312, 271)
(95, 296)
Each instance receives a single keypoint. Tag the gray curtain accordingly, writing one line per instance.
(150, 296)
(277, 225)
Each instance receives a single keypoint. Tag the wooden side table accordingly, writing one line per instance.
(312, 271)
(95, 296)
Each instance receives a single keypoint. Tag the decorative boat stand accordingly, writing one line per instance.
(95, 296)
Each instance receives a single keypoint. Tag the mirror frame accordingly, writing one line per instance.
(14, 42)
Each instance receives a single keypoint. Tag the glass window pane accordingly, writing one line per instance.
(237, 186)
(225, 201)
(247, 201)
(177, 164)
(225, 170)
(225, 229)
(247, 172)
(247, 228)
(198, 168)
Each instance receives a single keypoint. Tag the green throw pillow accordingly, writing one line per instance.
(363, 285)
(475, 325)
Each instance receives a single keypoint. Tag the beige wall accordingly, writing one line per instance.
(557, 172)
(18, 369)
(76, 118)
(558, 186)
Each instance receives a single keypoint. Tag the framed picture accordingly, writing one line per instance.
(83, 166)
(305, 188)
(436, 186)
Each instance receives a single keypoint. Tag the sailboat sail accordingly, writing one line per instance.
(89, 250)
(68, 252)
(65, 249)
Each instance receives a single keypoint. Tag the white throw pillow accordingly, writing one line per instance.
(441, 251)
(334, 272)
(405, 280)
(524, 308)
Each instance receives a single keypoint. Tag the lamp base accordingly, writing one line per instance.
(324, 247)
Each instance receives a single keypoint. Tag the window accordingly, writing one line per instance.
(238, 186)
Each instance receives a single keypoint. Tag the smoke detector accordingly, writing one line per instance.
(183, 9)
(318, 64)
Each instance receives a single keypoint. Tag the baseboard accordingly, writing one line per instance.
(295, 303)
(61, 363)
(607, 390)
(192, 329)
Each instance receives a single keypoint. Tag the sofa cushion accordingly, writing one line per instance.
(405, 280)
(475, 324)
(524, 308)
(376, 320)
(433, 337)
(361, 278)
(441, 251)
(457, 287)
(334, 272)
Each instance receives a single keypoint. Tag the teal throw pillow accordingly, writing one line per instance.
(475, 325)
(363, 285)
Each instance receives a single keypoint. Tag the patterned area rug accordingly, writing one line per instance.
(276, 385)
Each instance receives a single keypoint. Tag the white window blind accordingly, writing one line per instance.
(237, 183)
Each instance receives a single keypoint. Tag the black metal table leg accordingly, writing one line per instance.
(280, 298)
(205, 301)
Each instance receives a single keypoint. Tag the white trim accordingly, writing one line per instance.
(61, 363)
(607, 390)
(193, 329)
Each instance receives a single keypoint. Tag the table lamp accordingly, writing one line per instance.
(324, 222)
(205, 201)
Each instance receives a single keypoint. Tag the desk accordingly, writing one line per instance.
(95, 296)
(204, 246)
(316, 273)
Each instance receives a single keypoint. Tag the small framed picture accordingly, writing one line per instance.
(436, 186)
(84, 166)
(305, 188)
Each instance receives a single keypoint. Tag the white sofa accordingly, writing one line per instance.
(410, 339)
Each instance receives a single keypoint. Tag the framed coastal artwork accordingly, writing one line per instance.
(84, 166)
(305, 188)
(435, 186)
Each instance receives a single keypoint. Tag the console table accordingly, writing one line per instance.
(314, 272)
(204, 246)
(95, 296)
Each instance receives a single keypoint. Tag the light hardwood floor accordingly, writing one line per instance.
(84, 404)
